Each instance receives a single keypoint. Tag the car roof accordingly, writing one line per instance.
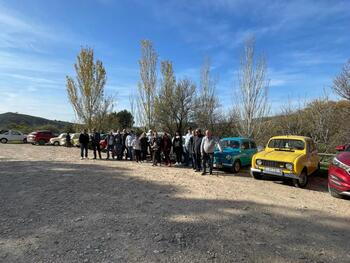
(237, 139)
(292, 137)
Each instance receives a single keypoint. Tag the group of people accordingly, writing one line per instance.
(196, 150)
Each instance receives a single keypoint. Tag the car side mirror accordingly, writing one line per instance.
(340, 148)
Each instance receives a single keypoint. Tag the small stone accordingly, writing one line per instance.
(86, 260)
(78, 219)
(158, 238)
(88, 246)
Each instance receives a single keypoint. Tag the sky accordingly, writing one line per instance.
(305, 43)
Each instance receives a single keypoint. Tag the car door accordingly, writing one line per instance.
(16, 136)
(245, 152)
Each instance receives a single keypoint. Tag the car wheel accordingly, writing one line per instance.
(236, 166)
(56, 143)
(3, 140)
(302, 181)
(257, 176)
(25, 140)
(41, 142)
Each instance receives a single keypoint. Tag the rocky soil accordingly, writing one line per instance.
(55, 207)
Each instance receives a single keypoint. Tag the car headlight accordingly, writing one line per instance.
(228, 157)
(289, 166)
(341, 165)
(259, 162)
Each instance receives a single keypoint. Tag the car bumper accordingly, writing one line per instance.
(339, 180)
(222, 165)
(31, 140)
(282, 174)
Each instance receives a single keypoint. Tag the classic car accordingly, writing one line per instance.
(233, 153)
(339, 173)
(292, 157)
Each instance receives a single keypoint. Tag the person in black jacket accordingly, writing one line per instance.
(118, 145)
(177, 148)
(95, 143)
(124, 135)
(197, 141)
(166, 148)
(68, 140)
(110, 142)
(84, 143)
(144, 146)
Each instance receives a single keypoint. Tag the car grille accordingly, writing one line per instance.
(273, 164)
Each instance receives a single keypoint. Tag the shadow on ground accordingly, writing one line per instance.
(59, 212)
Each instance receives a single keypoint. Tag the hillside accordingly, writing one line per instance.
(27, 123)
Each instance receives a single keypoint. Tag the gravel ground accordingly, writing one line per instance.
(57, 208)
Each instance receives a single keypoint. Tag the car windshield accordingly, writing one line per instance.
(289, 144)
(229, 144)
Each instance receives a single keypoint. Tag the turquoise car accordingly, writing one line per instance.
(233, 153)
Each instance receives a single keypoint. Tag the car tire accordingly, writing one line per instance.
(257, 176)
(25, 140)
(56, 144)
(41, 142)
(334, 193)
(303, 181)
(236, 167)
(3, 140)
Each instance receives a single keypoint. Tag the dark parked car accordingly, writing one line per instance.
(339, 173)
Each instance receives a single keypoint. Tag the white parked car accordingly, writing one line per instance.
(60, 140)
(12, 136)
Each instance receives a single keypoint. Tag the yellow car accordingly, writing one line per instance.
(289, 157)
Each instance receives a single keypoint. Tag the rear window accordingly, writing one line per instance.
(3, 131)
(287, 144)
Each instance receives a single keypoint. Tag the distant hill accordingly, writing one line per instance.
(27, 123)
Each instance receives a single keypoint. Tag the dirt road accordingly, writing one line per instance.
(57, 208)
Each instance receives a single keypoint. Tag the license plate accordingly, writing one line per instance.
(271, 170)
(217, 165)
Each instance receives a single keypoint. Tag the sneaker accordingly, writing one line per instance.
(204, 173)
(81, 158)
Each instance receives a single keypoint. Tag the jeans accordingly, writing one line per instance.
(156, 157)
(186, 157)
(208, 158)
(96, 147)
(130, 150)
(198, 161)
(84, 150)
(110, 148)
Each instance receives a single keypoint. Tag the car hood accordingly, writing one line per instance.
(54, 138)
(227, 151)
(273, 155)
(344, 157)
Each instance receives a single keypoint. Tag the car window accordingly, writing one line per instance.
(6, 133)
(229, 144)
(286, 144)
(15, 133)
(3, 131)
(252, 145)
(245, 145)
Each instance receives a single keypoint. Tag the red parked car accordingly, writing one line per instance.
(40, 137)
(339, 173)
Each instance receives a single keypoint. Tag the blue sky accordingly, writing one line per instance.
(305, 43)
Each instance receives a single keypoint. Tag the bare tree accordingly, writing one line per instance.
(132, 102)
(341, 84)
(320, 114)
(86, 93)
(175, 102)
(207, 103)
(147, 85)
(292, 121)
(252, 97)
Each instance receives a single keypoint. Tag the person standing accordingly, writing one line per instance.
(207, 151)
(144, 146)
(68, 140)
(124, 135)
(110, 144)
(166, 148)
(136, 145)
(197, 141)
(84, 144)
(187, 148)
(95, 142)
(128, 143)
(155, 146)
(118, 145)
(177, 147)
(191, 150)
(150, 141)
